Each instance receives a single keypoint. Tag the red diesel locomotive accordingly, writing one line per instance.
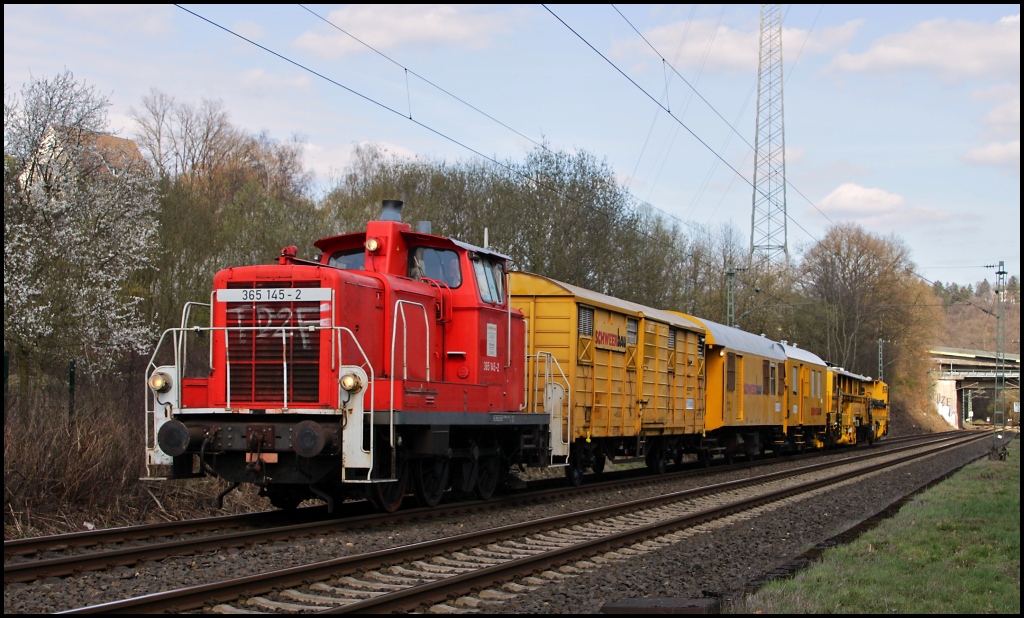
(384, 366)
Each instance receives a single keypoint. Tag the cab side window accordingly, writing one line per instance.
(490, 278)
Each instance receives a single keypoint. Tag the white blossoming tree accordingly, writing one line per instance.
(80, 213)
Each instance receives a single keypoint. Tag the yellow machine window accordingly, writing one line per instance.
(730, 372)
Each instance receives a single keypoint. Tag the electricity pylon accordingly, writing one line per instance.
(768, 219)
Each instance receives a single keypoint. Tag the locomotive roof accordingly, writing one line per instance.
(617, 304)
(741, 341)
(412, 237)
(800, 354)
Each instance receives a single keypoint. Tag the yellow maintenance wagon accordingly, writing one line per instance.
(630, 377)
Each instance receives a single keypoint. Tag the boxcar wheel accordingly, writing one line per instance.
(599, 461)
(574, 473)
(704, 457)
(656, 461)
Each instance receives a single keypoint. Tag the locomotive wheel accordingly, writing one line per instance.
(488, 476)
(388, 496)
(431, 480)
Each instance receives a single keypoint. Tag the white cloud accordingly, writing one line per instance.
(685, 44)
(1005, 116)
(250, 30)
(1002, 155)
(259, 81)
(795, 154)
(386, 27)
(146, 19)
(876, 209)
(331, 162)
(953, 49)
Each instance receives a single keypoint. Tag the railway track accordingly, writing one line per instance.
(469, 571)
(61, 555)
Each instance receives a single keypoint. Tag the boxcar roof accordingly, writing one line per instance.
(741, 341)
(800, 354)
(617, 304)
(850, 374)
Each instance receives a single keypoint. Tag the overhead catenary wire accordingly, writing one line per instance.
(540, 145)
(421, 124)
(478, 153)
(703, 143)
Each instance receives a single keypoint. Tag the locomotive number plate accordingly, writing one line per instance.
(283, 295)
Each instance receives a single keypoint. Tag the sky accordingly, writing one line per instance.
(902, 119)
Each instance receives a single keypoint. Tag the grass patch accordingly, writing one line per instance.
(953, 549)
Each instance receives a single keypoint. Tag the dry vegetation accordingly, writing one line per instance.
(65, 473)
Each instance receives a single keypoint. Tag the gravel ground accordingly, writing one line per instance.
(723, 562)
(718, 562)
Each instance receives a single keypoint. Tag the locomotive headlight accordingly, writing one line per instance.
(351, 382)
(160, 382)
(373, 245)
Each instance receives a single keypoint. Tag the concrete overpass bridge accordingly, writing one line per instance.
(964, 385)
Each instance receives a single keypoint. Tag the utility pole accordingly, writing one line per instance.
(730, 294)
(880, 365)
(768, 217)
(999, 403)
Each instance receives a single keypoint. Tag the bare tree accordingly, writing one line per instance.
(861, 287)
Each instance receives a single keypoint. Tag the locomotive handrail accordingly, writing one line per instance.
(183, 342)
(405, 340)
(442, 287)
(405, 362)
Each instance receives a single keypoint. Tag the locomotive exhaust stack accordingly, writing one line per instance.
(391, 211)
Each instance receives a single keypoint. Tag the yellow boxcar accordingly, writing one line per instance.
(633, 375)
(806, 388)
(746, 391)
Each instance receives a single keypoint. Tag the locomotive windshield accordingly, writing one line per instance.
(348, 259)
(438, 264)
(490, 277)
